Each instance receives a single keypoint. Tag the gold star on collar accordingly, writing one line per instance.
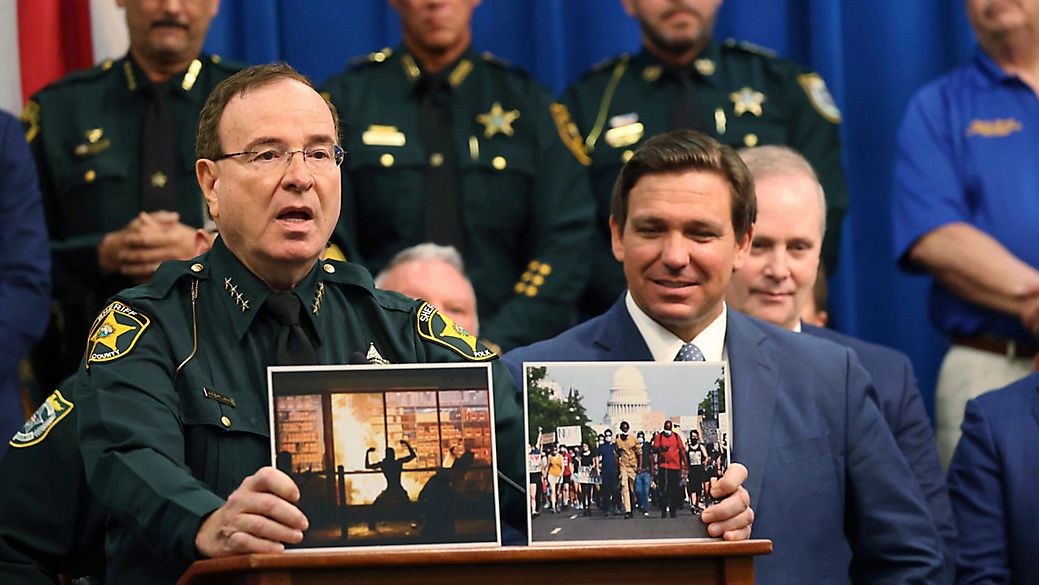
(747, 100)
(159, 180)
(497, 120)
(232, 289)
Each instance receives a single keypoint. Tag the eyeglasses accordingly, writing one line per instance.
(322, 157)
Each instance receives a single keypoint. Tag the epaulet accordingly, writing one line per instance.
(166, 277)
(497, 61)
(96, 72)
(220, 63)
(749, 48)
(350, 274)
(609, 63)
(376, 57)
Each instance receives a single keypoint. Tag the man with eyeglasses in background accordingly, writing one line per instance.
(173, 410)
(114, 149)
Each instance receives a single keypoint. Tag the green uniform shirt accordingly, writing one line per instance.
(51, 522)
(526, 208)
(163, 445)
(85, 134)
(744, 97)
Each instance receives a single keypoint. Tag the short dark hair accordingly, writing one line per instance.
(207, 137)
(681, 151)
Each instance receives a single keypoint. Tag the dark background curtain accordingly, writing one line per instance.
(873, 54)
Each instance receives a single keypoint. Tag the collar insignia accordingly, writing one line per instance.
(993, 128)
(55, 408)
(115, 332)
(380, 135)
(747, 100)
(232, 290)
(374, 357)
(191, 76)
(704, 66)
(319, 295)
(497, 121)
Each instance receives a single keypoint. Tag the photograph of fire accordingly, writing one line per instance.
(388, 455)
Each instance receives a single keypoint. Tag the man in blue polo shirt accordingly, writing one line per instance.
(966, 207)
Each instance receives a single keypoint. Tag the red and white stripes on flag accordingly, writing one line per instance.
(52, 38)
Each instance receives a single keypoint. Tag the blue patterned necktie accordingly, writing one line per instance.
(689, 353)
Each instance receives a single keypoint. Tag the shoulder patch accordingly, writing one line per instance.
(30, 118)
(50, 413)
(436, 327)
(115, 332)
(569, 134)
(820, 97)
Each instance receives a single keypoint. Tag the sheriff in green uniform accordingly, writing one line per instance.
(455, 147)
(174, 419)
(740, 94)
(93, 133)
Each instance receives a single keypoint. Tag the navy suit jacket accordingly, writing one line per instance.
(992, 482)
(822, 481)
(903, 408)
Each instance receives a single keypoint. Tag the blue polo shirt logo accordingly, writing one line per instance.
(993, 128)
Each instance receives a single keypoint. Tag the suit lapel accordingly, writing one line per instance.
(618, 339)
(754, 381)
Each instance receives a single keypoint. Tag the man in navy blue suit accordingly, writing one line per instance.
(828, 483)
(777, 281)
(992, 483)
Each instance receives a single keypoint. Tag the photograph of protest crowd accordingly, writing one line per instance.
(624, 451)
(388, 455)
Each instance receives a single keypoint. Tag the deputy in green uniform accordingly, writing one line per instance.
(114, 150)
(52, 524)
(450, 146)
(174, 414)
(740, 94)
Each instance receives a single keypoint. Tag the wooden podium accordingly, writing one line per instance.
(694, 563)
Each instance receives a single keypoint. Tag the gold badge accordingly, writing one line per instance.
(819, 96)
(652, 73)
(379, 135)
(497, 121)
(436, 327)
(569, 134)
(993, 128)
(115, 332)
(747, 100)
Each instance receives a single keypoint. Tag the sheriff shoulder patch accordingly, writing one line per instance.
(820, 97)
(439, 328)
(50, 413)
(115, 332)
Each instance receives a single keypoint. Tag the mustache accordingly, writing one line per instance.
(169, 22)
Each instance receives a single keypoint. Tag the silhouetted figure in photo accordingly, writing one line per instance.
(441, 499)
(394, 495)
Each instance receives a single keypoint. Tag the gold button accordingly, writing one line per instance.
(526, 276)
(520, 287)
(750, 140)
(329, 268)
(379, 57)
(626, 155)
(538, 280)
(386, 160)
(498, 162)
(436, 159)
(531, 291)
(545, 269)
(196, 267)
(225, 421)
(533, 265)
(89, 176)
